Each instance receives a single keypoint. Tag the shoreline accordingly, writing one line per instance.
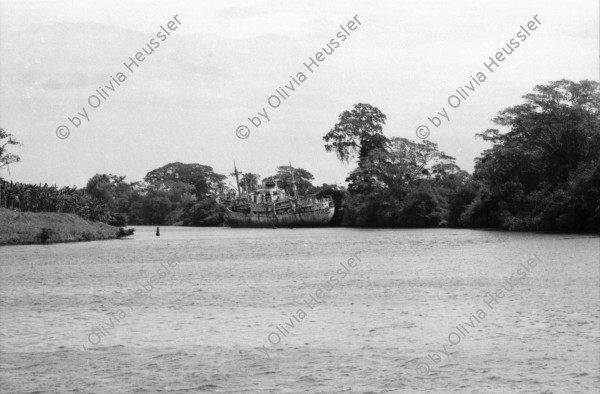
(27, 228)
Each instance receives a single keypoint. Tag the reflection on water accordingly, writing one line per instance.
(195, 310)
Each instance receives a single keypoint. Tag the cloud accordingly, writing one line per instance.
(228, 58)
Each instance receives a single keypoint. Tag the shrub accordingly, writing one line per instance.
(125, 232)
(117, 220)
(45, 234)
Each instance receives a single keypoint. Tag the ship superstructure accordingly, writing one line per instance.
(273, 206)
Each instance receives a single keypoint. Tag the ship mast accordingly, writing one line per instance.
(237, 179)
(293, 182)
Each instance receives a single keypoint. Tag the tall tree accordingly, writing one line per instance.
(115, 192)
(357, 133)
(7, 158)
(108, 188)
(205, 181)
(248, 181)
(405, 164)
(302, 178)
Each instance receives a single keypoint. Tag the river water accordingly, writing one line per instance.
(303, 310)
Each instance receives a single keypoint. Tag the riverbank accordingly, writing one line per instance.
(21, 228)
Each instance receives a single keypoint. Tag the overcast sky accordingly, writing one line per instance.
(227, 58)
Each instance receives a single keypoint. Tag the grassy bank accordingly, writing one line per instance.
(18, 228)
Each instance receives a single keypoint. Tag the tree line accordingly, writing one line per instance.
(38, 198)
(540, 173)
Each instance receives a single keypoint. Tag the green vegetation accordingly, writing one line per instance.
(7, 158)
(178, 193)
(50, 227)
(541, 173)
(38, 198)
(302, 178)
(181, 194)
(544, 173)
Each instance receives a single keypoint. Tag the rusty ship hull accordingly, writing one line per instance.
(319, 215)
(274, 206)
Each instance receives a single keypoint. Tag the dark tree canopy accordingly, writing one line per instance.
(302, 178)
(104, 186)
(404, 164)
(535, 174)
(357, 133)
(554, 131)
(248, 181)
(203, 178)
